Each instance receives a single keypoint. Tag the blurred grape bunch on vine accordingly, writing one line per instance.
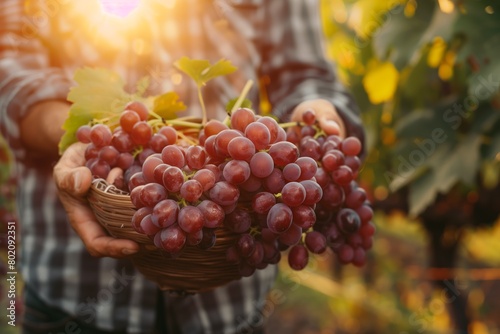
(426, 76)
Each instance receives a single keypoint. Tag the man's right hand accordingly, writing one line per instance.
(73, 180)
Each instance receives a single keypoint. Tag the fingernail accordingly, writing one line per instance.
(329, 122)
(77, 181)
(127, 251)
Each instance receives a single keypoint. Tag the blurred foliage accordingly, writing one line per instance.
(393, 293)
(426, 75)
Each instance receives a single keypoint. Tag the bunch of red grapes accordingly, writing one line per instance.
(274, 190)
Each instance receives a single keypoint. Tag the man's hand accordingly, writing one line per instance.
(73, 181)
(326, 114)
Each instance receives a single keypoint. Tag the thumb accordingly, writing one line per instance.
(79, 181)
(331, 127)
(75, 182)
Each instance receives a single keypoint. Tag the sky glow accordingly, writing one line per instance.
(120, 8)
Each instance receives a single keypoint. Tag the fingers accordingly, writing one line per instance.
(73, 181)
(70, 174)
(326, 115)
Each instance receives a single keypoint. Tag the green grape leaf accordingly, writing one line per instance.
(201, 71)
(99, 94)
(423, 193)
(245, 104)
(168, 105)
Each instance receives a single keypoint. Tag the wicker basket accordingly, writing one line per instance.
(195, 270)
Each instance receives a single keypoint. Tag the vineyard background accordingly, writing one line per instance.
(425, 75)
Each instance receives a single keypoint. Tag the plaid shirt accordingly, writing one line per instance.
(276, 42)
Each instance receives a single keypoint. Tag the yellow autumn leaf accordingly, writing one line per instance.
(436, 52)
(380, 82)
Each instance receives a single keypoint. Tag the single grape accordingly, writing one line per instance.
(148, 168)
(353, 162)
(173, 239)
(355, 198)
(100, 168)
(245, 245)
(147, 225)
(283, 153)
(257, 255)
(141, 133)
(213, 213)
(236, 171)
(262, 202)
(309, 117)
(170, 133)
(91, 152)
(315, 242)
(196, 157)
(351, 146)
(314, 193)
(125, 160)
(100, 135)
(122, 141)
(238, 221)
(173, 178)
(308, 167)
(293, 194)
(137, 179)
(365, 213)
(259, 134)
(345, 254)
(241, 118)
(275, 182)
(173, 156)
(190, 219)
(158, 142)
(253, 184)
(310, 147)
(213, 127)
(194, 239)
(291, 236)
(333, 196)
(332, 160)
(342, 175)
(206, 178)
(241, 148)
(224, 193)
(128, 119)
(83, 134)
(261, 164)
(209, 239)
(291, 172)
(144, 154)
(273, 126)
(279, 218)
(139, 108)
(245, 269)
(165, 213)
(152, 193)
(304, 216)
(348, 221)
(298, 257)
(191, 190)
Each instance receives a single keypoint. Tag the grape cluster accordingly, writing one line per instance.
(275, 190)
(344, 214)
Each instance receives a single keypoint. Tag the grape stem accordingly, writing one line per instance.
(291, 124)
(186, 138)
(203, 109)
(242, 96)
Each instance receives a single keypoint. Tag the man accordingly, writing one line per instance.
(82, 282)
